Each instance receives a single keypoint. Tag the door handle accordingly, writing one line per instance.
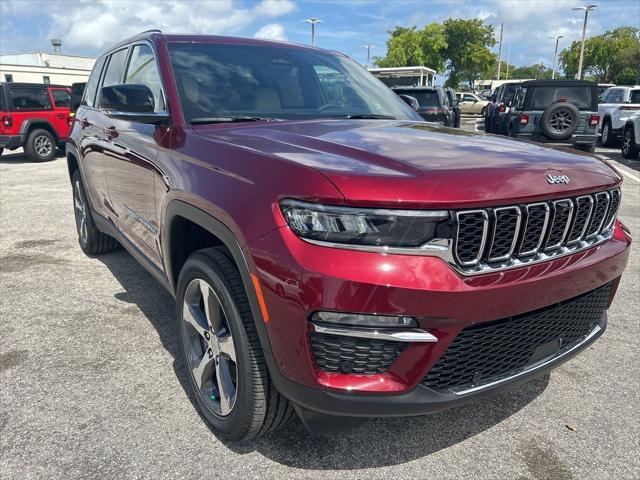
(60, 115)
(111, 132)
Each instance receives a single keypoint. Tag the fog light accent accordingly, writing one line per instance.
(362, 320)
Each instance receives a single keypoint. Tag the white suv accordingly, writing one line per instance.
(616, 105)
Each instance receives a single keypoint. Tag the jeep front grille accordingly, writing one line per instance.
(495, 238)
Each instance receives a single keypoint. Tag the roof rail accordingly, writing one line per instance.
(152, 30)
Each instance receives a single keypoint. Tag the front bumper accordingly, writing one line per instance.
(298, 278)
(11, 141)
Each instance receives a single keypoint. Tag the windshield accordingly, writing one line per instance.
(426, 98)
(271, 82)
(542, 97)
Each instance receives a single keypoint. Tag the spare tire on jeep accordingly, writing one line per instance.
(560, 120)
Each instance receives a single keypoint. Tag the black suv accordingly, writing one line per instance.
(433, 103)
(556, 111)
(497, 111)
(453, 104)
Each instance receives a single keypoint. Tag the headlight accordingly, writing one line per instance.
(365, 226)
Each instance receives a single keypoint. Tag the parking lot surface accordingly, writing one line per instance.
(89, 385)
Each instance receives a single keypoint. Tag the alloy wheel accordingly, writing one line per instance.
(626, 143)
(561, 120)
(42, 145)
(209, 348)
(80, 210)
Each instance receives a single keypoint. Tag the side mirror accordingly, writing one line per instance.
(493, 98)
(411, 101)
(77, 90)
(131, 102)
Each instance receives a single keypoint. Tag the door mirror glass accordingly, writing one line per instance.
(411, 101)
(130, 97)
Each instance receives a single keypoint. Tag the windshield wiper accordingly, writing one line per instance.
(365, 116)
(204, 120)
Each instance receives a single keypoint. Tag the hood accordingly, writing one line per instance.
(415, 164)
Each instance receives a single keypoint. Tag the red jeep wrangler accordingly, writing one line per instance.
(34, 116)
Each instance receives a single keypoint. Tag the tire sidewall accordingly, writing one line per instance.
(606, 129)
(546, 117)
(31, 149)
(200, 266)
(78, 180)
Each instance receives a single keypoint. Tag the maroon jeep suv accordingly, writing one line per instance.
(331, 254)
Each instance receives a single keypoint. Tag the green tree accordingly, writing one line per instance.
(468, 50)
(412, 47)
(605, 56)
(536, 72)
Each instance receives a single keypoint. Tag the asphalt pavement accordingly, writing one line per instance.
(89, 389)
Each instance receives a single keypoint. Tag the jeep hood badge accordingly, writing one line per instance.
(553, 179)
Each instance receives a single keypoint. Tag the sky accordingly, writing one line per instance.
(88, 27)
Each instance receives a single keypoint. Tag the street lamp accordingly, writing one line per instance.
(586, 9)
(368, 47)
(313, 22)
(555, 56)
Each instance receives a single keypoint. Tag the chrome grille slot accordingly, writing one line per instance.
(599, 212)
(506, 226)
(562, 213)
(471, 236)
(584, 206)
(614, 204)
(507, 237)
(534, 229)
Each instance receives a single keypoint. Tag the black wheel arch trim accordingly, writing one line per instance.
(34, 122)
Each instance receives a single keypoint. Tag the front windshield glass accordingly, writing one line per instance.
(220, 80)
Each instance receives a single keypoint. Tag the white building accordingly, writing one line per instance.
(418, 76)
(41, 67)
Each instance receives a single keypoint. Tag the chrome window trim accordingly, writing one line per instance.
(557, 245)
(515, 235)
(589, 198)
(483, 242)
(606, 209)
(544, 228)
(532, 368)
(411, 335)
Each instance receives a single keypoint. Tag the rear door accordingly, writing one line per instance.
(61, 99)
(130, 155)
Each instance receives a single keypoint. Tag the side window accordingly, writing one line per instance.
(143, 70)
(616, 96)
(115, 68)
(61, 98)
(30, 98)
(92, 84)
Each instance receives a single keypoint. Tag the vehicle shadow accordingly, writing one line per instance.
(630, 164)
(16, 158)
(375, 443)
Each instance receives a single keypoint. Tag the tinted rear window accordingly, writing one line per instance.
(509, 90)
(635, 96)
(542, 97)
(61, 98)
(30, 98)
(425, 99)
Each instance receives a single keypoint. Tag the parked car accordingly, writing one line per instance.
(433, 103)
(631, 137)
(562, 112)
(331, 254)
(497, 112)
(453, 104)
(470, 103)
(35, 117)
(616, 105)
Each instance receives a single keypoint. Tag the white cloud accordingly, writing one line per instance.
(272, 31)
(97, 24)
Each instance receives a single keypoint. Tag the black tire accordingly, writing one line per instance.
(607, 138)
(40, 146)
(482, 112)
(92, 241)
(587, 148)
(1, 150)
(258, 407)
(488, 121)
(560, 120)
(629, 147)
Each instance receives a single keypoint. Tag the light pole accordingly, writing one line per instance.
(368, 47)
(313, 21)
(555, 57)
(586, 9)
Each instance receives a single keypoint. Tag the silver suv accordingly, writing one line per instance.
(616, 105)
